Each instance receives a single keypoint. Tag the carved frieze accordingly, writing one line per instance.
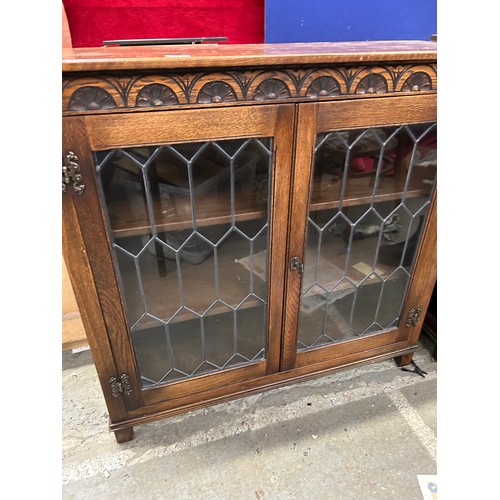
(94, 92)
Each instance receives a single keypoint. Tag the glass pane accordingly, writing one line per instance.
(189, 225)
(370, 196)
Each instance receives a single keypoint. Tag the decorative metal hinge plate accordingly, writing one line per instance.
(413, 316)
(121, 386)
(71, 174)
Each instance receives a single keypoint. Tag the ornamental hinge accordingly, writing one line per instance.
(71, 174)
(413, 316)
(121, 386)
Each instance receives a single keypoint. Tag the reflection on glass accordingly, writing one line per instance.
(189, 225)
(370, 195)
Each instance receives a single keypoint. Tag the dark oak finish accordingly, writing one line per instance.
(306, 131)
(140, 129)
(279, 231)
(81, 277)
(124, 97)
(388, 111)
(98, 252)
(124, 435)
(173, 89)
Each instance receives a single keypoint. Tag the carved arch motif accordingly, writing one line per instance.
(91, 98)
(168, 89)
(156, 94)
(216, 92)
(417, 82)
(271, 88)
(372, 83)
(323, 86)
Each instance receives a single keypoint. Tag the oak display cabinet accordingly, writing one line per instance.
(236, 218)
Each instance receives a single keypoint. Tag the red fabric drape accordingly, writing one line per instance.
(92, 21)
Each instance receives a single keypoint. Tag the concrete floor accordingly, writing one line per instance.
(365, 433)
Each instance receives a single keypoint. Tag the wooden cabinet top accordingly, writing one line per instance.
(206, 55)
(117, 79)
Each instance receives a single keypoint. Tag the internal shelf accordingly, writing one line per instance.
(176, 214)
(359, 190)
(129, 218)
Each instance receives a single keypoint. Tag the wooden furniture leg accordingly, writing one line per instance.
(124, 435)
(404, 360)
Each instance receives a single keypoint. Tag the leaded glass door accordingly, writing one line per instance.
(190, 207)
(370, 192)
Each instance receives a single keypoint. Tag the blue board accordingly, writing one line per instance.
(349, 20)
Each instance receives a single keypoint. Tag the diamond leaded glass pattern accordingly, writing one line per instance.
(189, 225)
(370, 194)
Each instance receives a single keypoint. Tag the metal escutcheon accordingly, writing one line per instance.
(297, 265)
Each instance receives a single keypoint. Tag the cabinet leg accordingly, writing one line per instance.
(404, 360)
(124, 435)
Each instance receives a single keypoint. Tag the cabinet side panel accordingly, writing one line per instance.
(73, 332)
(96, 246)
(80, 273)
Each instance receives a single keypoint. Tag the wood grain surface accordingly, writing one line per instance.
(204, 56)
